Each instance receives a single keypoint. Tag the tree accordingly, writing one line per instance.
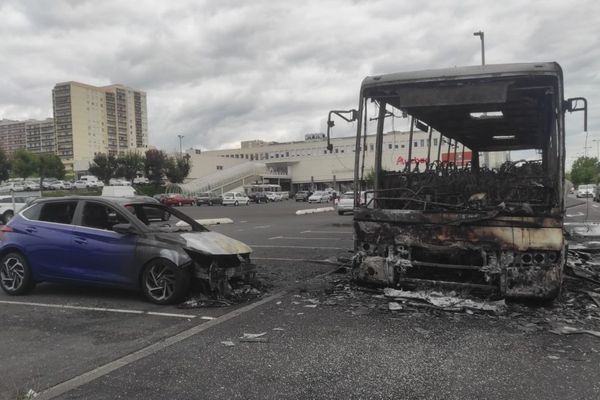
(584, 170)
(177, 169)
(24, 164)
(129, 165)
(50, 165)
(154, 165)
(104, 167)
(4, 166)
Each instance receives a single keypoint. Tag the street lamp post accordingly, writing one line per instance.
(480, 34)
(180, 146)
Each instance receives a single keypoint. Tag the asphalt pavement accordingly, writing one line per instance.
(92, 343)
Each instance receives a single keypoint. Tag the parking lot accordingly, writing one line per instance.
(97, 343)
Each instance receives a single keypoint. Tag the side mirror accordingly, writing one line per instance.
(124, 229)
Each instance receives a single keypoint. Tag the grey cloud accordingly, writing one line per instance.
(220, 72)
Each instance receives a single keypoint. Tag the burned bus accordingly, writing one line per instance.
(465, 224)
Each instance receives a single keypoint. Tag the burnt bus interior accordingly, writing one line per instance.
(467, 224)
(476, 115)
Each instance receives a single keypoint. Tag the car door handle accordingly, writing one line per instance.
(30, 229)
(80, 240)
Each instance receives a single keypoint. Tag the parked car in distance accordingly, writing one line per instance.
(208, 198)
(585, 190)
(235, 198)
(118, 242)
(176, 199)
(302, 195)
(273, 196)
(345, 203)
(7, 211)
(61, 185)
(258, 197)
(319, 197)
(119, 182)
(12, 187)
(80, 185)
(31, 185)
(284, 195)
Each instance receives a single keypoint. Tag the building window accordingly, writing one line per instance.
(396, 146)
(371, 147)
(342, 150)
(435, 142)
(324, 151)
(422, 144)
(416, 144)
(219, 167)
(287, 153)
(336, 150)
(277, 155)
(390, 146)
(402, 146)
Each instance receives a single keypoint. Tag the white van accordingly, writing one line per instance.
(118, 191)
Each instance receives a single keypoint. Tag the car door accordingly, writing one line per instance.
(47, 238)
(100, 254)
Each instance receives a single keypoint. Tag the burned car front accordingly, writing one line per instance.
(213, 258)
(450, 214)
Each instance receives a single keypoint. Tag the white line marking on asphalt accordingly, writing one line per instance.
(296, 247)
(304, 238)
(295, 260)
(579, 214)
(115, 310)
(105, 369)
(346, 232)
(595, 205)
(262, 226)
(243, 222)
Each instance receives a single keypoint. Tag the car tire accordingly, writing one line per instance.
(340, 213)
(7, 216)
(236, 203)
(15, 274)
(163, 282)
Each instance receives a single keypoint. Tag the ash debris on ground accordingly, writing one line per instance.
(575, 311)
(238, 292)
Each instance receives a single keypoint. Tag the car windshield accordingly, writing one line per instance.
(318, 194)
(160, 218)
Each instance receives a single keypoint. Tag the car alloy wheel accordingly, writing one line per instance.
(210, 203)
(15, 275)
(164, 282)
(236, 203)
(7, 216)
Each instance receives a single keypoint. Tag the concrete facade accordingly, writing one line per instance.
(33, 135)
(90, 120)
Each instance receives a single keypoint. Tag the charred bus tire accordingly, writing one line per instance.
(163, 282)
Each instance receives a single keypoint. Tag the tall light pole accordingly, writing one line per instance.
(480, 34)
(180, 148)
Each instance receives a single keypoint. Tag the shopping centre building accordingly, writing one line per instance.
(308, 164)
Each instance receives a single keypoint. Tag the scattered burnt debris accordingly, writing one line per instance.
(238, 292)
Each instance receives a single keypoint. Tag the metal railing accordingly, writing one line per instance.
(222, 178)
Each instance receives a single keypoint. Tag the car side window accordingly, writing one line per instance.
(100, 216)
(60, 212)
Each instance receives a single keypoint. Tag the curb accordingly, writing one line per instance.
(314, 210)
(215, 221)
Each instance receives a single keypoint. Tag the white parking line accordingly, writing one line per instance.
(295, 260)
(114, 310)
(304, 238)
(105, 369)
(262, 226)
(296, 247)
(329, 232)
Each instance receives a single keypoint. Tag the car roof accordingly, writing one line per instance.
(109, 199)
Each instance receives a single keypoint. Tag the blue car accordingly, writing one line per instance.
(124, 242)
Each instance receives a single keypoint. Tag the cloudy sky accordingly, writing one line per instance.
(223, 71)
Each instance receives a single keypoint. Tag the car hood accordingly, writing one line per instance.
(207, 242)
